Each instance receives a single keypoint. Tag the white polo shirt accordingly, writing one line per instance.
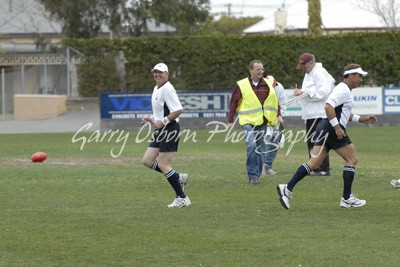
(165, 97)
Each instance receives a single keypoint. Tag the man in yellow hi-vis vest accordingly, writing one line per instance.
(255, 101)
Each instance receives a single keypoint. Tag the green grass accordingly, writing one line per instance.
(86, 208)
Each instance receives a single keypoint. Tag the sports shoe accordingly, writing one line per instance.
(320, 173)
(284, 195)
(254, 181)
(395, 183)
(183, 178)
(180, 202)
(352, 202)
(269, 171)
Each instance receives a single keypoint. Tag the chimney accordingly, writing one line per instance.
(280, 21)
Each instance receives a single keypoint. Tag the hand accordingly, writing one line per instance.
(297, 92)
(230, 125)
(368, 119)
(280, 119)
(339, 132)
(158, 124)
(146, 120)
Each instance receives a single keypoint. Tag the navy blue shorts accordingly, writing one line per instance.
(326, 136)
(167, 138)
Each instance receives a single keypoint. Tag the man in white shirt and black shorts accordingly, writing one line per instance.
(159, 155)
(331, 133)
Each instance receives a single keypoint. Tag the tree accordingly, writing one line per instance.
(79, 19)
(387, 10)
(84, 19)
(314, 17)
(186, 15)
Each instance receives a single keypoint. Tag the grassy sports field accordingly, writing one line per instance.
(86, 208)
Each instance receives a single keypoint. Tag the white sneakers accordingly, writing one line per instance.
(180, 202)
(284, 195)
(320, 173)
(270, 172)
(183, 178)
(352, 202)
(395, 183)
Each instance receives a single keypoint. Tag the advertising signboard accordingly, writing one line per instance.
(391, 100)
(136, 105)
(366, 100)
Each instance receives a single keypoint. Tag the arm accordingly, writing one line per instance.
(311, 86)
(233, 106)
(282, 100)
(323, 86)
(171, 116)
(367, 119)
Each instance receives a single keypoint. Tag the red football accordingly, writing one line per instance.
(39, 157)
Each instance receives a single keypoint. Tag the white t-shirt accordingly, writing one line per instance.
(280, 93)
(342, 100)
(163, 99)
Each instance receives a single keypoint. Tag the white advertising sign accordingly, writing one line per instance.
(366, 100)
(391, 100)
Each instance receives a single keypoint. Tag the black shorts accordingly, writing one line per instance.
(167, 138)
(326, 136)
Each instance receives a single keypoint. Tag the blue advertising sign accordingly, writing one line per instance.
(137, 105)
(391, 100)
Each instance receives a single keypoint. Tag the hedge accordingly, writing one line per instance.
(216, 63)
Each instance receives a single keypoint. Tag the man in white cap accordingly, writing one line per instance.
(331, 134)
(164, 143)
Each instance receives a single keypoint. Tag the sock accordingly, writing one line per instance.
(301, 172)
(173, 179)
(348, 177)
(155, 166)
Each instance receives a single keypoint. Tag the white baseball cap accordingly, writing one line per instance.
(160, 67)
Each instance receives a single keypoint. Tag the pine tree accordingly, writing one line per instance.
(314, 17)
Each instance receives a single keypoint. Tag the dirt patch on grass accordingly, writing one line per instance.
(201, 158)
(75, 161)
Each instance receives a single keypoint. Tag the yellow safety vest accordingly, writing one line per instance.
(250, 109)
